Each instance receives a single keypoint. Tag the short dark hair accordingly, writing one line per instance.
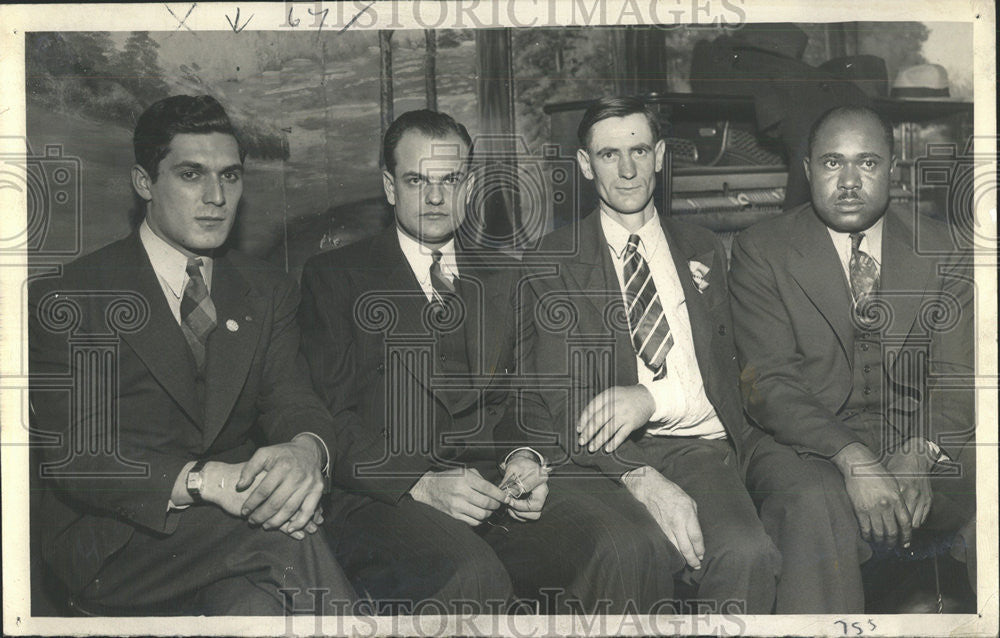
(431, 123)
(850, 110)
(616, 106)
(172, 116)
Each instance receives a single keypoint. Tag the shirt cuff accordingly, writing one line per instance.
(175, 508)
(939, 454)
(326, 451)
(541, 459)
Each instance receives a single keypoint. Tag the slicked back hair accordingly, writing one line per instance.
(433, 124)
(173, 116)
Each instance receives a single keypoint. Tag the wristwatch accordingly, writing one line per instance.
(196, 480)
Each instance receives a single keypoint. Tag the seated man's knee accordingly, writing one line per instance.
(747, 549)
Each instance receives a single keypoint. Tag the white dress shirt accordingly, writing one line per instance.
(871, 243)
(420, 259)
(682, 407)
(170, 266)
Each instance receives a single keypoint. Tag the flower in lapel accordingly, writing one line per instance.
(699, 273)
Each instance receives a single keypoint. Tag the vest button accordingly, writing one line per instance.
(864, 347)
(443, 358)
(867, 368)
(722, 330)
(381, 368)
(868, 389)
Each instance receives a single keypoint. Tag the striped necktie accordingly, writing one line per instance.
(197, 312)
(648, 325)
(864, 271)
(441, 284)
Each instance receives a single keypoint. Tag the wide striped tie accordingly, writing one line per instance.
(648, 324)
(197, 312)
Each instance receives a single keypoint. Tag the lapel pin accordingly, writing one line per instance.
(231, 325)
(248, 318)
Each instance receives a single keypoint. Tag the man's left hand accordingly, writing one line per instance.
(288, 496)
(614, 414)
(531, 481)
(911, 465)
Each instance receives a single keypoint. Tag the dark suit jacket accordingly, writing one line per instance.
(113, 383)
(791, 304)
(575, 337)
(374, 359)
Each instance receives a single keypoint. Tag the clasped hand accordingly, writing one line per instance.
(464, 494)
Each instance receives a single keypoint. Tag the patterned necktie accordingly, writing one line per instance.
(864, 271)
(648, 325)
(197, 312)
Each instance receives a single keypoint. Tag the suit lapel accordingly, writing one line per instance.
(232, 345)
(160, 344)
(593, 272)
(814, 264)
(904, 275)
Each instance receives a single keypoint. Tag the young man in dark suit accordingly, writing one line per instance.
(629, 311)
(189, 454)
(410, 339)
(854, 327)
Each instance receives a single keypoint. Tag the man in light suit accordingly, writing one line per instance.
(627, 323)
(410, 340)
(854, 328)
(186, 460)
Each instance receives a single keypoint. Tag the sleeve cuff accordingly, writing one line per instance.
(326, 451)
(175, 508)
(541, 459)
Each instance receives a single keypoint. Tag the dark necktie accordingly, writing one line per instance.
(441, 284)
(197, 312)
(648, 325)
(864, 271)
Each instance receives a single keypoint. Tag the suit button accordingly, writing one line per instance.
(868, 389)
(443, 358)
(722, 330)
(381, 368)
(867, 368)
(864, 347)
(385, 433)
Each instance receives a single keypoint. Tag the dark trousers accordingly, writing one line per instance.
(741, 565)
(806, 511)
(216, 564)
(594, 548)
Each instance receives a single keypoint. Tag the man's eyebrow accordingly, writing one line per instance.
(198, 166)
(868, 154)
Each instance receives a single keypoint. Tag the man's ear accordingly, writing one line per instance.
(583, 159)
(806, 168)
(142, 183)
(389, 186)
(659, 151)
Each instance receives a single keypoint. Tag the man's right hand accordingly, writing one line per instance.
(461, 493)
(875, 495)
(671, 507)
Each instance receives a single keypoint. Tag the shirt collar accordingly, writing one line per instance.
(871, 243)
(170, 264)
(650, 235)
(420, 259)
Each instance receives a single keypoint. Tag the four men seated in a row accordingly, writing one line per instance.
(437, 425)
